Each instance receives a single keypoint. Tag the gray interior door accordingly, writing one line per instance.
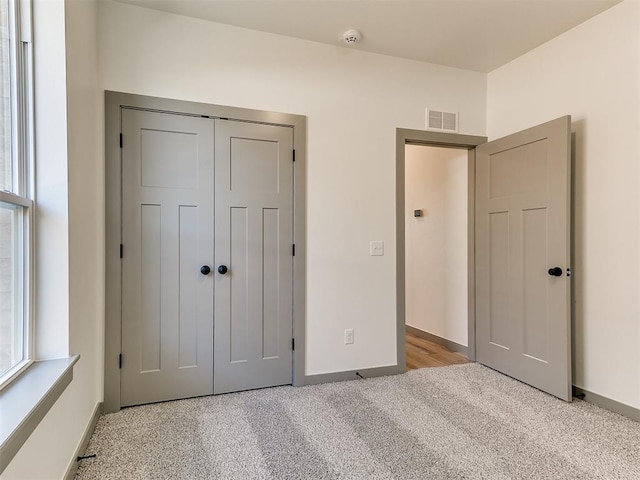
(523, 302)
(167, 232)
(254, 235)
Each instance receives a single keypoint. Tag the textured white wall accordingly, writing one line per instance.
(436, 181)
(70, 236)
(591, 72)
(353, 102)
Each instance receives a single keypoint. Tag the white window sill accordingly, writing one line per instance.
(25, 402)
(14, 373)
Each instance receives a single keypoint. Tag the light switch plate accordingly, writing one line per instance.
(376, 248)
(348, 336)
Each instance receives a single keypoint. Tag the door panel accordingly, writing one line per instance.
(535, 280)
(188, 286)
(254, 232)
(523, 316)
(499, 279)
(239, 286)
(167, 232)
(150, 285)
(270, 282)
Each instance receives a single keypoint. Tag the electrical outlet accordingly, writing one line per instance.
(348, 336)
(376, 248)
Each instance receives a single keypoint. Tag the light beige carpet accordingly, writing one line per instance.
(458, 422)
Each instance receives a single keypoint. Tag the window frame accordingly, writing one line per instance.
(22, 157)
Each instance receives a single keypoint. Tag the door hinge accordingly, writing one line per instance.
(120, 361)
(294, 155)
(293, 344)
(121, 140)
(121, 250)
(294, 249)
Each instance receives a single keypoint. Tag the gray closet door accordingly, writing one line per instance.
(167, 231)
(523, 305)
(254, 232)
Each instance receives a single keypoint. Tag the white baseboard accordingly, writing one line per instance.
(82, 446)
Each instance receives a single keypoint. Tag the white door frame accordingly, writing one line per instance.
(435, 139)
(114, 102)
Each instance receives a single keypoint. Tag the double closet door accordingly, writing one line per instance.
(207, 228)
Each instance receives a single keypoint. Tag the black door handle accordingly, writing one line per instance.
(555, 272)
(222, 269)
(205, 270)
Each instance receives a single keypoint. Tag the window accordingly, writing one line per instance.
(15, 200)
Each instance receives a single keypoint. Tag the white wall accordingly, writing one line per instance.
(85, 112)
(591, 72)
(86, 212)
(436, 267)
(52, 221)
(70, 241)
(353, 101)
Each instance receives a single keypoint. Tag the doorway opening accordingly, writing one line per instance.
(409, 142)
(436, 255)
(519, 247)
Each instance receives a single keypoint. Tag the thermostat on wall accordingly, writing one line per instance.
(417, 213)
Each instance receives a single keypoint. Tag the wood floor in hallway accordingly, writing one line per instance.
(422, 353)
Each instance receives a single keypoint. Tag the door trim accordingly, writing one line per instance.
(435, 139)
(114, 101)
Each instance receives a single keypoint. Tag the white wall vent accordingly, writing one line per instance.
(442, 121)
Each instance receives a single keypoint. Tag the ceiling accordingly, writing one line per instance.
(478, 35)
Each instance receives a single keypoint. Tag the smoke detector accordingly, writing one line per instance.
(351, 37)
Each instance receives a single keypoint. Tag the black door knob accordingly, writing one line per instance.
(205, 270)
(222, 269)
(555, 272)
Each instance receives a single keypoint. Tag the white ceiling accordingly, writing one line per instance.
(478, 35)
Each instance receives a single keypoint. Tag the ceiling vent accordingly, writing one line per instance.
(442, 121)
